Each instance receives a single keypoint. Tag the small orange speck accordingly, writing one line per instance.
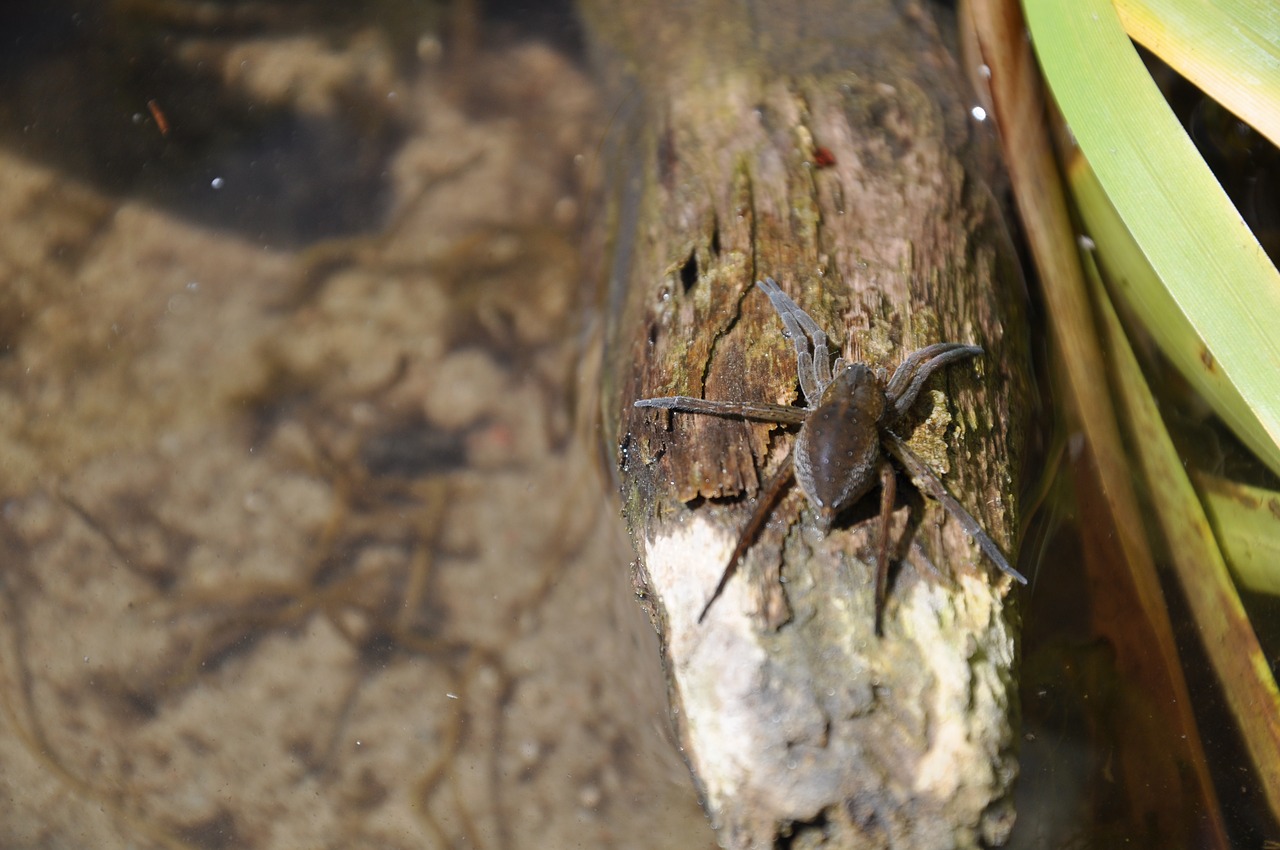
(823, 157)
(161, 121)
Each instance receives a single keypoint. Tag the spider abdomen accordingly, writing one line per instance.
(838, 448)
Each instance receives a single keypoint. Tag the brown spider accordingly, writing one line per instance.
(848, 416)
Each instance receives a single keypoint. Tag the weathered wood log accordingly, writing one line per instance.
(827, 145)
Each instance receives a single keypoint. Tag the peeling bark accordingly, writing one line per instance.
(830, 148)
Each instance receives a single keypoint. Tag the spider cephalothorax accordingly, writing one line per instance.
(848, 417)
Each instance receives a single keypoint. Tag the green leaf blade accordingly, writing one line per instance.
(1207, 264)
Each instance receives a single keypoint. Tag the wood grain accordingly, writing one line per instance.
(831, 148)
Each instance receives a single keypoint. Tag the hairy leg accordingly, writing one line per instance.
(769, 496)
(779, 413)
(814, 369)
(888, 491)
(929, 482)
(909, 377)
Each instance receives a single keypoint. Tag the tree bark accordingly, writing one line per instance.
(829, 146)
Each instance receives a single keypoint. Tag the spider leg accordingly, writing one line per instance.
(928, 480)
(909, 377)
(769, 496)
(814, 369)
(779, 413)
(888, 490)
(917, 549)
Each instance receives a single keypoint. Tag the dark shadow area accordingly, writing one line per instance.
(133, 98)
(105, 96)
(552, 21)
(1244, 806)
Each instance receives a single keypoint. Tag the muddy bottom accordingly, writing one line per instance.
(303, 544)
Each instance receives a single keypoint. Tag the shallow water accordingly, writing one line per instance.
(303, 546)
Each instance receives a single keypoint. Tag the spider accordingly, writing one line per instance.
(847, 419)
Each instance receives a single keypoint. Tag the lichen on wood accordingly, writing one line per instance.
(830, 148)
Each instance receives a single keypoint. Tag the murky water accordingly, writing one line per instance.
(303, 546)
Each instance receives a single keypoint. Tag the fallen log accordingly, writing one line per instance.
(827, 145)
